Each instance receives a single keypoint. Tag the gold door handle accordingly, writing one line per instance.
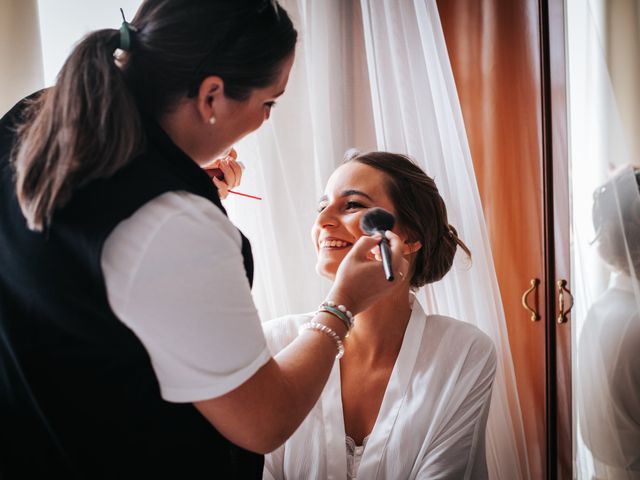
(563, 314)
(535, 316)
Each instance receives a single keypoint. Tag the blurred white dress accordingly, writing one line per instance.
(432, 419)
(609, 382)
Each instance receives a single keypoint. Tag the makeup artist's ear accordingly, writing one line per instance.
(411, 247)
(210, 95)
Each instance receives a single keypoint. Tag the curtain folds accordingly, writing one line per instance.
(326, 110)
(416, 111)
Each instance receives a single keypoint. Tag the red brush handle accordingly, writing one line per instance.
(215, 172)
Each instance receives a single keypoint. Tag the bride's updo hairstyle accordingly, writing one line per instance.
(420, 212)
(616, 219)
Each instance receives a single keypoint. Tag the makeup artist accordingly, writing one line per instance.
(129, 343)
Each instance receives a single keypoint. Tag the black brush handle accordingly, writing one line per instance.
(385, 251)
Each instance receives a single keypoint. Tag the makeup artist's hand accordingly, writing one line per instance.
(360, 280)
(226, 173)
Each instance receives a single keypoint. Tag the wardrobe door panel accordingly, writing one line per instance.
(494, 46)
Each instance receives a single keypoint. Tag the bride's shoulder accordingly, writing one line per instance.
(459, 333)
(281, 331)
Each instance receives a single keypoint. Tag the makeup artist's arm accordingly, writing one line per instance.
(264, 411)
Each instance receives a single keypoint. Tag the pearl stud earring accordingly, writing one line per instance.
(212, 120)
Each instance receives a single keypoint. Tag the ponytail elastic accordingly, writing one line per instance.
(126, 34)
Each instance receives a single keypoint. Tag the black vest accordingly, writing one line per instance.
(78, 395)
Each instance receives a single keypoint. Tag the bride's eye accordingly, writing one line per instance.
(354, 205)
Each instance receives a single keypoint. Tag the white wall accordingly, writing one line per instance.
(21, 70)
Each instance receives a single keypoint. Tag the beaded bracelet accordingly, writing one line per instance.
(326, 330)
(339, 311)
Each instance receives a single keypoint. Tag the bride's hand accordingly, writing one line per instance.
(226, 173)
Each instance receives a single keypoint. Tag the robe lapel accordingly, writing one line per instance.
(393, 396)
(336, 453)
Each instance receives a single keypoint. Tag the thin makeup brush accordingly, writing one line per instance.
(217, 173)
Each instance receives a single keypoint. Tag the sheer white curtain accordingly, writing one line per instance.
(416, 110)
(387, 62)
(587, 78)
(326, 110)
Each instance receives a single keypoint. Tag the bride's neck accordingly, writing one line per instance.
(378, 331)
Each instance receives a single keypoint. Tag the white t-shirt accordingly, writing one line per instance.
(174, 275)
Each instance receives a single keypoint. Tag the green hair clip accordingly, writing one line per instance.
(126, 30)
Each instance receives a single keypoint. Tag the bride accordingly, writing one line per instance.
(410, 397)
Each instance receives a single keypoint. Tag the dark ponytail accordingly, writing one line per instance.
(84, 128)
(89, 125)
(421, 211)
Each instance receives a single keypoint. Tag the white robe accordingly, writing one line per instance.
(431, 423)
